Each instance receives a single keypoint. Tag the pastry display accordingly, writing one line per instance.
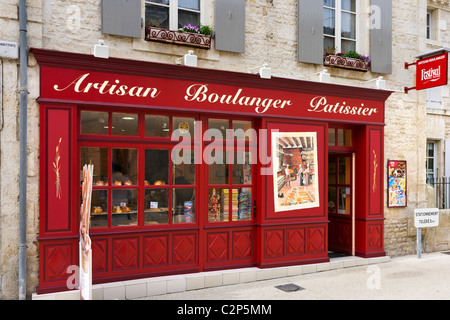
(117, 183)
(117, 209)
(159, 183)
(97, 210)
(99, 183)
(128, 183)
(125, 209)
(146, 183)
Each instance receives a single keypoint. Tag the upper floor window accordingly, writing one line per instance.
(172, 14)
(339, 25)
(429, 24)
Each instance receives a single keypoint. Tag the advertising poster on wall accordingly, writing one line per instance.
(396, 184)
(296, 181)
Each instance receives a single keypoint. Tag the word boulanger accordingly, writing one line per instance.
(200, 93)
(320, 104)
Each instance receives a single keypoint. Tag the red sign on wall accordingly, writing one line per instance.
(432, 72)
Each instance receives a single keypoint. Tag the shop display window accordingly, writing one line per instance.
(93, 122)
(138, 184)
(157, 126)
(230, 189)
(156, 206)
(338, 137)
(124, 207)
(125, 124)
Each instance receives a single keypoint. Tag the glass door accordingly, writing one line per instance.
(340, 203)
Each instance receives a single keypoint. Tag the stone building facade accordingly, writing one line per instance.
(271, 31)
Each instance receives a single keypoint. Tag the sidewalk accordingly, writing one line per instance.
(343, 278)
(401, 278)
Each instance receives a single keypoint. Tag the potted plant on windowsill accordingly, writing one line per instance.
(349, 60)
(189, 35)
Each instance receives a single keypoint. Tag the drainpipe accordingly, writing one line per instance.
(23, 151)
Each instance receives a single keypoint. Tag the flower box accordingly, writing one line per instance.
(347, 63)
(196, 40)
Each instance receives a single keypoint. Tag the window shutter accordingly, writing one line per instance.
(310, 31)
(381, 36)
(230, 25)
(122, 18)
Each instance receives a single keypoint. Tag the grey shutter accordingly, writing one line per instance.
(122, 18)
(310, 31)
(381, 36)
(230, 25)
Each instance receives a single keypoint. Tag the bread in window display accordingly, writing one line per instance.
(159, 183)
(128, 183)
(97, 210)
(100, 183)
(117, 209)
(117, 183)
(125, 209)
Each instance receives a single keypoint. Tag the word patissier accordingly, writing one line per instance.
(200, 93)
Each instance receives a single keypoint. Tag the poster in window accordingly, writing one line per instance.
(296, 181)
(397, 184)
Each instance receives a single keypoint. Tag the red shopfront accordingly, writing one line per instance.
(308, 179)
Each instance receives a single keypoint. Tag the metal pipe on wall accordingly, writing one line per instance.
(23, 90)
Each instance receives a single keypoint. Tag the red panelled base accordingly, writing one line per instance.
(292, 244)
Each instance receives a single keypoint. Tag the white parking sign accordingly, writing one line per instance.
(425, 218)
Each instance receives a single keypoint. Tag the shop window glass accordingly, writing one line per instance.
(184, 125)
(92, 122)
(183, 205)
(124, 207)
(344, 200)
(244, 126)
(157, 126)
(125, 124)
(216, 205)
(156, 167)
(344, 138)
(221, 126)
(332, 171)
(344, 170)
(242, 167)
(218, 167)
(99, 158)
(244, 205)
(156, 206)
(124, 167)
(332, 203)
(183, 167)
(99, 209)
(331, 137)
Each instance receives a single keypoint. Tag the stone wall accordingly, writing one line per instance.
(271, 37)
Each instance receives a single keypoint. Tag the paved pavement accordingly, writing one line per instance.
(402, 278)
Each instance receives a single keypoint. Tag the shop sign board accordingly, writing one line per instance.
(432, 72)
(132, 90)
(425, 218)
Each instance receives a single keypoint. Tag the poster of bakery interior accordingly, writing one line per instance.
(295, 177)
(396, 183)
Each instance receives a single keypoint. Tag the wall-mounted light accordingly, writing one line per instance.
(189, 59)
(264, 71)
(324, 76)
(101, 50)
(380, 83)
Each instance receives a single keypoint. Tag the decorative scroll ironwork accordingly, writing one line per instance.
(346, 63)
(177, 37)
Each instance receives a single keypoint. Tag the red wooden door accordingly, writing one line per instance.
(340, 204)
